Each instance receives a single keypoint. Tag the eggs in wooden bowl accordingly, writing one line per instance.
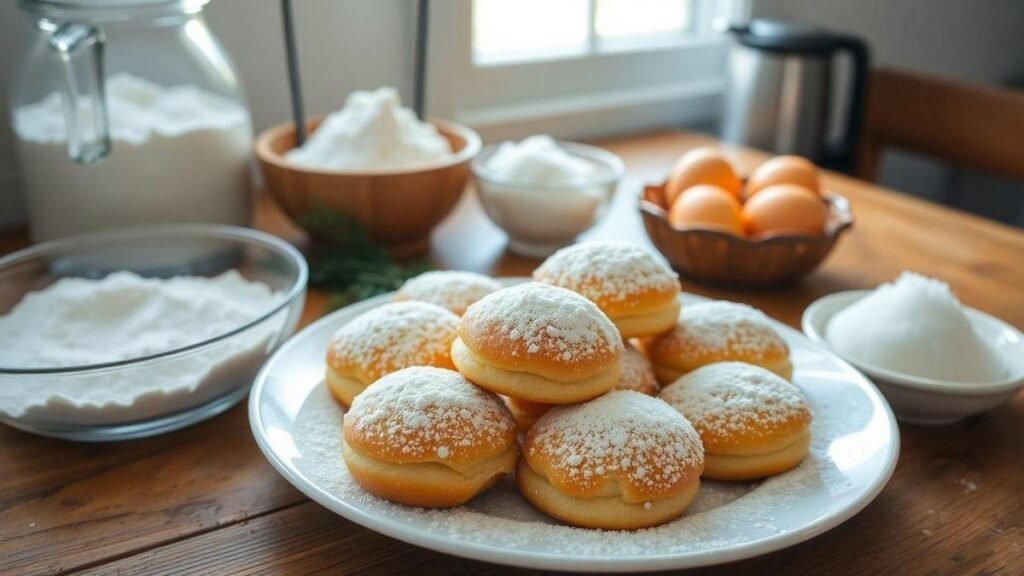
(713, 226)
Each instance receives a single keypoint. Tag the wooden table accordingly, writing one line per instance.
(204, 501)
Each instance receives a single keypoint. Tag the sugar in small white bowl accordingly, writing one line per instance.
(923, 400)
(544, 193)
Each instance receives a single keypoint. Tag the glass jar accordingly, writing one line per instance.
(127, 112)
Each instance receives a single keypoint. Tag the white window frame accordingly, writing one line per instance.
(616, 89)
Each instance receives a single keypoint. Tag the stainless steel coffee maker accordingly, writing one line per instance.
(780, 90)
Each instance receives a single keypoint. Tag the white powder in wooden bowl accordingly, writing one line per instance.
(915, 326)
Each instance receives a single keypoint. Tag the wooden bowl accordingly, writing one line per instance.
(398, 208)
(717, 257)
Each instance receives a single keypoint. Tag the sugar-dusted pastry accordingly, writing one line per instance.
(716, 332)
(752, 422)
(637, 375)
(622, 461)
(526, 413)
(539, 343)
(428, 437)
(636, 290)
(449, 289)
(388, 338)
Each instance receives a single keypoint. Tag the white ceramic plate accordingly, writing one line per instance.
(853, 454)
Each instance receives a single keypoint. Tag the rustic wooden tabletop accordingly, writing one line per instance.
(204, 501)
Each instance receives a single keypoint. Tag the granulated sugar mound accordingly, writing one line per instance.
(916, 326)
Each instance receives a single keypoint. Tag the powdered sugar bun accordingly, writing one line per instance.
(636, 290)
(622, 461)
(637, 373)
(538, 343)
(388, 338)
(450, 289)
(717, 331)
(752, 422)
(428, 437)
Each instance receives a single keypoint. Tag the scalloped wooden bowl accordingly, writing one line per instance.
(398, 208)
(716, 257)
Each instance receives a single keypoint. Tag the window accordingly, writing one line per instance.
(577, 68)
(524, 30)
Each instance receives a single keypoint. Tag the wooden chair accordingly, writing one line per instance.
(964, 124)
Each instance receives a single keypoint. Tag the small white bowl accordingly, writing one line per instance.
(917, 400)
(540, 219)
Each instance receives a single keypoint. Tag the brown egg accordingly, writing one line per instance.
(783, 170)
(701, 166)
(707, 206)
(785, 209)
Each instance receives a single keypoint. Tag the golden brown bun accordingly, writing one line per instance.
(712, 332)
(542, 330)
(609, 513)
(539, 343)
(426, 436)
(651, 324)
(385, 339)
(753, 420)
(531, 387)
(624, 460)
(637, 291)
(733, 467)
(343, 388)
(637, 373)
(454, 290)
(525, 412)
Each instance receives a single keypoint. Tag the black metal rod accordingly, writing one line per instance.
(420, 61)
(294, 83)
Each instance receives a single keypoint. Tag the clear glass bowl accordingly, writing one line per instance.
(163, 391)
(540, 219)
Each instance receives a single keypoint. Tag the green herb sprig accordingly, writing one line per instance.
(345, 261)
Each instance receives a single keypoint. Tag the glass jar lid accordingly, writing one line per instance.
(110, 9)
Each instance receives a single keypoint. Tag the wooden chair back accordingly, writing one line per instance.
(965, 124)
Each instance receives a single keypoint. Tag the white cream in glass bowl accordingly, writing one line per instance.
(544, 193)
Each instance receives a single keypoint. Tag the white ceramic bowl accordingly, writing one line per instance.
(918, 400)
(540, 219)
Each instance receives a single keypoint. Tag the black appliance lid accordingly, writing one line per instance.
(785, 36)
